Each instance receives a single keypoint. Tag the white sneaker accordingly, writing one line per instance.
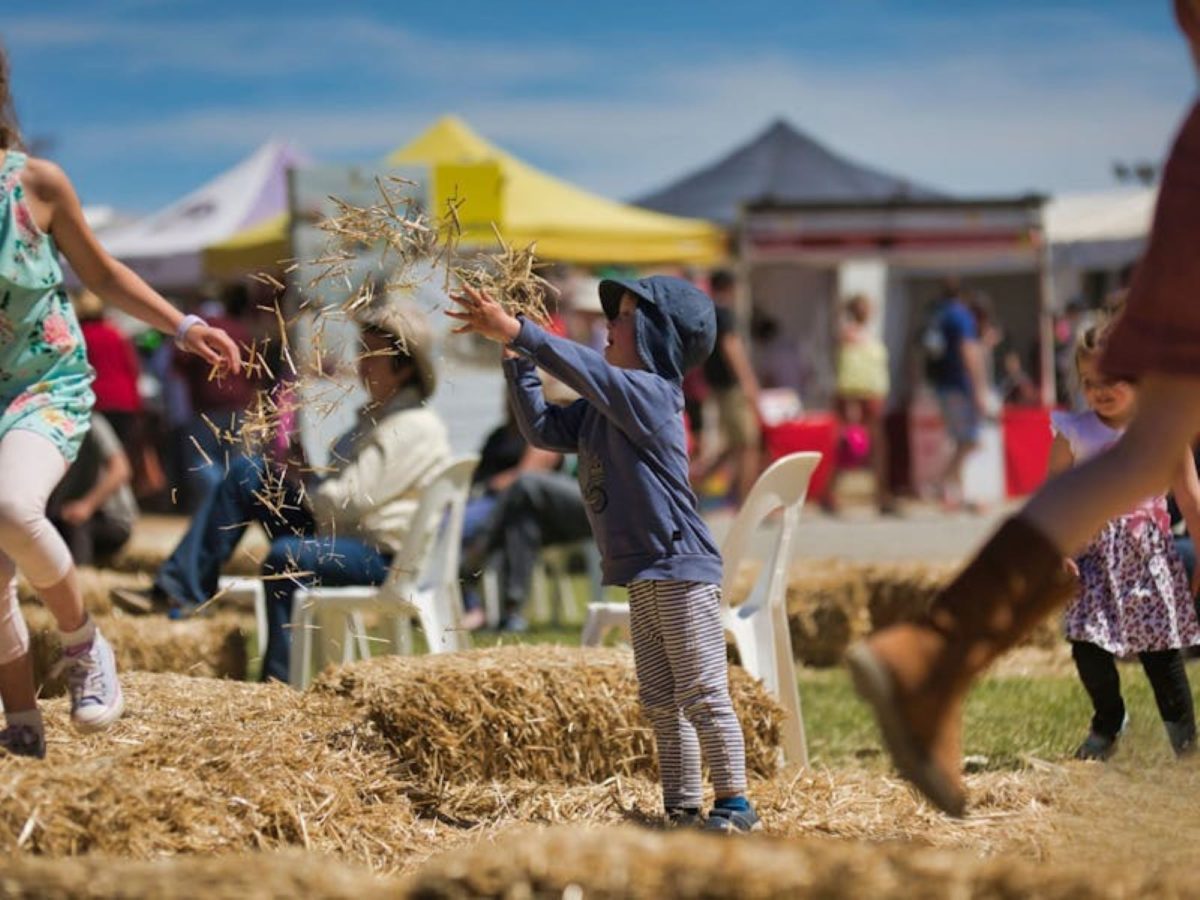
(96, 698)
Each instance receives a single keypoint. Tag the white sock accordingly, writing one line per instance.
(30, 718)
(82, 635)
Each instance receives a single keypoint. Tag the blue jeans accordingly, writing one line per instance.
(192, 572)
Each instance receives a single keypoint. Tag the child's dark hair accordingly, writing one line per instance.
(10, 132)
(400, 356)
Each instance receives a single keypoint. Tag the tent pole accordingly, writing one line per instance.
(1045, 316)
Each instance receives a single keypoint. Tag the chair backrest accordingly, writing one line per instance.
(784, 485)
(430, 550)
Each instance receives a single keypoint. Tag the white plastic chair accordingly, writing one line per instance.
(759, 625)
(552, 598)
(422, 584)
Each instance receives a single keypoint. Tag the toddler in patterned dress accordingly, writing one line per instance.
(1134, 596)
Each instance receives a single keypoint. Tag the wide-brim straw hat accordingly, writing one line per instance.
(406, 322)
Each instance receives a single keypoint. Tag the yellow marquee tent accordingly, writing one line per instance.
(568, 224)
(526, 205)
(258, 247)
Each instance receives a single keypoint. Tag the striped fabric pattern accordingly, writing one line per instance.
(683, 686)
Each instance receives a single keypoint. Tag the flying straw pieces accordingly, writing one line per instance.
(629, 862)
(208, 647)
(204, 766)
(244, 876)
(527, 713)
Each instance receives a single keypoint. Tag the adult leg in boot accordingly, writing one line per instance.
(915, 676)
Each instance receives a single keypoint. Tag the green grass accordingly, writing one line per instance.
(1007, 720)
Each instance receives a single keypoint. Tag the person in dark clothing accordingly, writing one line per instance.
(734, 386)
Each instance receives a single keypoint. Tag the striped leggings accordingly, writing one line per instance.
(683, 686)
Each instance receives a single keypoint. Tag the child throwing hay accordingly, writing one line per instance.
(633, 469)
(45, 410)
(1134, 596)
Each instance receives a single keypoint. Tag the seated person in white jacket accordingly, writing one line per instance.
(344, 528)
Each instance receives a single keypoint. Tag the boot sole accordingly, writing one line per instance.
(875, 686)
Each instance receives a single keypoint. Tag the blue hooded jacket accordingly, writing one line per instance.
(628, 430)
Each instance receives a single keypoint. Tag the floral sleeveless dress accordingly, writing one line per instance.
(1134, 593)
(45, 379)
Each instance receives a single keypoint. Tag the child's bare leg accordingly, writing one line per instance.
(65, 602)
(1071, 508)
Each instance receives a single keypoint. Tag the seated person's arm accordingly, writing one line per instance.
(535, 459)
(116, 473)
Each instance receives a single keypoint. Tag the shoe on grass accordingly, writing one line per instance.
(1182, 736)
(1097, 747)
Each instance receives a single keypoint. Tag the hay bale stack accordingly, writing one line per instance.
(209, 647)
(249, 876)
(96, 585)
(155, 537)
(198, 765)
(535, 713)
(833, 603)
(902, 592)
(828, 609)
(627, 862)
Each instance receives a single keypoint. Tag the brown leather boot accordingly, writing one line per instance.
(916, 676)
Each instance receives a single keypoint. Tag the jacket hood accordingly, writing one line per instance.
(676, 326)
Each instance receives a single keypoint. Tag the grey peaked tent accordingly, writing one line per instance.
(781, 165)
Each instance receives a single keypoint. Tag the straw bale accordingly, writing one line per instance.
(212, 647)
(204, 766)
(828, 609)
(631, 862)
(96, 585)
(531, 712)
(248, 876)
(832, 603)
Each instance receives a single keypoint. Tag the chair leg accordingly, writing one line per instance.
(402, 636)
(489, 586)
(356, 639)
(260, 618)
(300, 660)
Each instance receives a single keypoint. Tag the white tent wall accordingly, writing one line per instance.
(802, 300)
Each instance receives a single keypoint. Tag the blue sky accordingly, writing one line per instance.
(143, 100)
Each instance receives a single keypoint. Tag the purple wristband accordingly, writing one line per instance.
(188, 322)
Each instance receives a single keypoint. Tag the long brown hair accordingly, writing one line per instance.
(10, 133)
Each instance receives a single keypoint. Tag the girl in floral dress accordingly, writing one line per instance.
(1134, 597)
(45, 407)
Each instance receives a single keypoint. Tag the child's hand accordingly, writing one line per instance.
(480, 313)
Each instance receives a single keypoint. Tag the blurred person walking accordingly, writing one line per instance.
(862, 391)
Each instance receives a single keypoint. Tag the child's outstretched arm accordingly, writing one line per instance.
(1186, 489)
(544, 425)
(110, 279)
(635, 405)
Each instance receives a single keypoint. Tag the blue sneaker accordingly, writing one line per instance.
(22, 740)
(732, 821)
(96, 698)
(1097, 747)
